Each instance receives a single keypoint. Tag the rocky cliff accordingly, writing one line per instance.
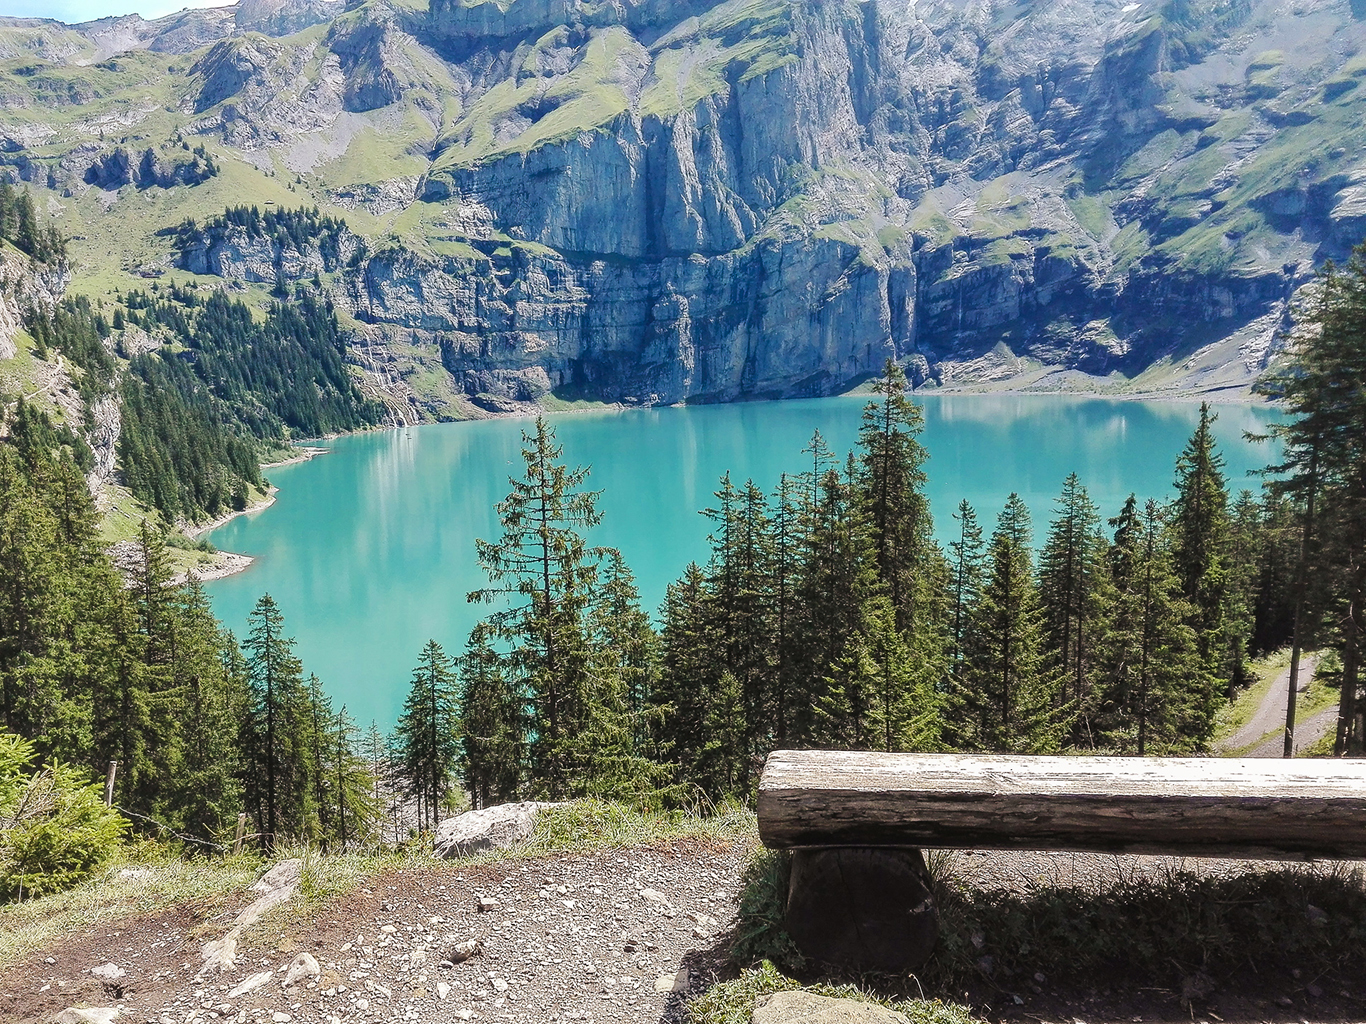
(648, 201)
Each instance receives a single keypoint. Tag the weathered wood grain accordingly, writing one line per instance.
(1241, 807)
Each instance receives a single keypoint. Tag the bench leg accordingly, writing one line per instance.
(865, 908)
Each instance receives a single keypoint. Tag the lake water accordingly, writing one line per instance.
(369, 550)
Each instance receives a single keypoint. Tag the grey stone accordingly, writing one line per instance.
(251, 983)
(864, 908)
(88, 1015)
(492, 828)
(302, 967)
(108, 972)
(800, 1007)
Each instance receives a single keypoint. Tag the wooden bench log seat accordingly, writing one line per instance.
(856, 820)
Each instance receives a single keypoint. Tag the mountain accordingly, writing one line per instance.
(647, 201)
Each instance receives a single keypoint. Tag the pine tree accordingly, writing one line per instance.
(626, 649)
(1322, 474)
(354, 788)
(966, 554)
(1009, 690)
(493, 723)
(1153, 683)
(427, 735)
(738, 593)
(275, 780)
(839, 574)
(1199, 524)
(898, 513)
(209, 678)
(546, 573)
(690, 675)
(1071, 590)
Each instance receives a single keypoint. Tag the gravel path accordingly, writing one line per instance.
(601, 937)
(1270, 716)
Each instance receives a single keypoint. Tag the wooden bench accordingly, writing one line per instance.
(857, 820)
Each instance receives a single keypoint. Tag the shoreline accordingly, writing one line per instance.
(229, 563)
(1022, 384)
(199, 529)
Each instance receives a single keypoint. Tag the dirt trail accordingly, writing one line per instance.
(1270, 718)
(610, 937)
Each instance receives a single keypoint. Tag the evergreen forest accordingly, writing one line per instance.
(827, 615)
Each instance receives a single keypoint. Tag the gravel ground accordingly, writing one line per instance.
(599, 937)
(615, 935)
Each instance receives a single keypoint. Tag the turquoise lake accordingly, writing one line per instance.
(369, 550)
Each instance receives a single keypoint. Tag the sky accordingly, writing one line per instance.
(73, 11)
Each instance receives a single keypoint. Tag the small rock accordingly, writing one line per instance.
(487, 903)
(50, 960)
(417, 957)
(805, 1008)
(250, 984)
(88, 1015)
(1317, 917)
(654, 896)
(500, 985)
(463, 1015)
(1285, 1001)
(362, 1004)
(1313, 990)
(280, 1017)
(302, 966)
(672, 982)
(108, 972)
(464, 950)
(387, 929)
(442, 990)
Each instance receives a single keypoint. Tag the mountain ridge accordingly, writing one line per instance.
(639, 202)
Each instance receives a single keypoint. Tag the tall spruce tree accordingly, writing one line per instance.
(1322, 474)
(1199, 523)
(839, 575)
(276, 772)
(494, 717)
(546, 573)
(965, 559)
(1071, 590)
(1154, 685)
(893, 485)
(1011, 695)
(427, 734)
(689, 680)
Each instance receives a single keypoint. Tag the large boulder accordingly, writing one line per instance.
(492, 828)
(864, 908)
(800, 1007)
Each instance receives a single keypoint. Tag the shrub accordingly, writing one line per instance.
(54, 828)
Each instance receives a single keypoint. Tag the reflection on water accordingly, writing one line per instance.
(370, 549)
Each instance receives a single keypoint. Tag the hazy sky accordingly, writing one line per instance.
(72, 11)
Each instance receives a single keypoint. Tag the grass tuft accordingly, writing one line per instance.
(596, 825)
(143, 879)
(732, 1002)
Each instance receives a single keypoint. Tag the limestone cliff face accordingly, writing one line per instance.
(23, 285)
(684, 200)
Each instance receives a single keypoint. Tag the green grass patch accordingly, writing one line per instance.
(142, 880)
(732, 1002)
(1238, 712)
(597, 825)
